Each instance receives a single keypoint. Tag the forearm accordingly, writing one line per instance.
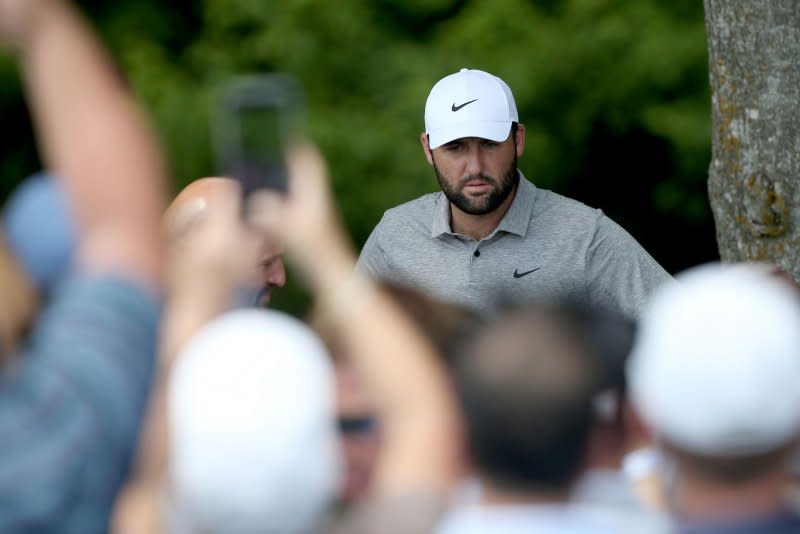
(396, 362)
(90, 129)
(186, 312)
(401, 370)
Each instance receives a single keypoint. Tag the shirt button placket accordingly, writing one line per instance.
(476, 253)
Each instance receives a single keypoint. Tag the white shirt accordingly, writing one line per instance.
(561, 518)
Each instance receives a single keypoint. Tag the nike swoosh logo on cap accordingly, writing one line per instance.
(456, 108)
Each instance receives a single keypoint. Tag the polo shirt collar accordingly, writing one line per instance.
(517, 218)
(441, 217)
(515, 221)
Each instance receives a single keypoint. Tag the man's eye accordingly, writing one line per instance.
(489, 144)
(452, 147)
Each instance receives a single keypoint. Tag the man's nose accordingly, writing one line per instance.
(474, 162)
(276, 275)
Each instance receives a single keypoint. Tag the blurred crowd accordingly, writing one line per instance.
(147, 387)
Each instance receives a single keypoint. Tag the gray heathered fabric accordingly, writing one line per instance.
(576, 250)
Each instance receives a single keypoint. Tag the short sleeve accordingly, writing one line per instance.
(620, 273)
(373, 260)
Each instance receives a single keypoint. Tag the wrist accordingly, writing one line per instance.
(327, 262)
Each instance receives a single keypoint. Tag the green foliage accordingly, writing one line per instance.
(586, 74)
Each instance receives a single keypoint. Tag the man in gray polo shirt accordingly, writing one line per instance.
(490, 233)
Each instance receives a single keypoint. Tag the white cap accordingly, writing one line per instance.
(715, 368)
(469, 103)
(252, 436)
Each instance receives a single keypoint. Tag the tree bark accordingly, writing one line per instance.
(754, 70)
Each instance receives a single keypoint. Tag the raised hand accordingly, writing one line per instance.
(306, 219)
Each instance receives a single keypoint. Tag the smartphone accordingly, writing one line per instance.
(256, 118)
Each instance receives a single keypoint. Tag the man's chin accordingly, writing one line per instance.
(475, 208)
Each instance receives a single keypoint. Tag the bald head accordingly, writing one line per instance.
(194, 201)
(193, 204)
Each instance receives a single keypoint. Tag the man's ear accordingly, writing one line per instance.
(426, 147)
(520, 139)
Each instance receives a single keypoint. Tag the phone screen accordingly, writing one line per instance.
(261, 163)
(256, 118)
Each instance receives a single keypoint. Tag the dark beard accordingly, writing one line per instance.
(487, 204)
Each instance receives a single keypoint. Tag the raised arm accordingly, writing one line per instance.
(89, 358)
(91, 134)
(397, 363)
(210, 254)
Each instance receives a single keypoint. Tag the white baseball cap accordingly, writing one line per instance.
(469, 103)
(715, 368)
(252, 436)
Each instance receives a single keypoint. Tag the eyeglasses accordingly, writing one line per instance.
(356, 426)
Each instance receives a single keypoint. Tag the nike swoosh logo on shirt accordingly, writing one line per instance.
(456, 108)
(518, 274)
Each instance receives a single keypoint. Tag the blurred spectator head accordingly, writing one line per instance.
(526, 387)
(39, 229)
(253, 446)
(189, 208)
(715, 371)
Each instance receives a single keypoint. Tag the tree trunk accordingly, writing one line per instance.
(754, 70)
